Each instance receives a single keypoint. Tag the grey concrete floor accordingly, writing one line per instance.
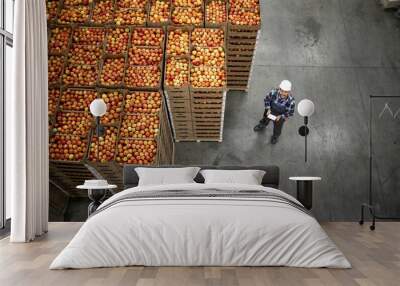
(336, 53)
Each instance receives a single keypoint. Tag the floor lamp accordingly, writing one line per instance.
(98, 108)
(305, 108)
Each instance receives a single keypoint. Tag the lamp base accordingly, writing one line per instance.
(303, 130)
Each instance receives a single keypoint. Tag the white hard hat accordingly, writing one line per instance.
(285, 85)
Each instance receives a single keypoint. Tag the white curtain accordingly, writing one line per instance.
(26, 124)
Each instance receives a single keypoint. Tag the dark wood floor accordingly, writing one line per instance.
(375, 257)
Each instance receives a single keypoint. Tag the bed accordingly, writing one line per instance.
(198, 224)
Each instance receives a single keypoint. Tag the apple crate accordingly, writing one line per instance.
(130, 16)
(184, 29)
(74, 14)
(182, 11)
(117, 41)
(84, 54)
(87, 35)
(74, 123)
(145, 56)
(210, 6)
(56, 64)
(53, 102)
(141, 121)
(52, 10)
(103, 151)
(147, 37)
(80, 75)
(149, 102)
(102, 13)
(164, 7)
(110, 78)
(59, 39)
(135, 74)
(76, 99)
(67, 147)
(114, 99)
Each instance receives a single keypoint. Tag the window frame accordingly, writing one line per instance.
(6, 39)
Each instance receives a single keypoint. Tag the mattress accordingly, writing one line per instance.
(201, 225)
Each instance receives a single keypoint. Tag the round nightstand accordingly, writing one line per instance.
(96, 194)
(304, 189)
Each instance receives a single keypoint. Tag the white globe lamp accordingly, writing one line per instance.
(305, 108)
(98, 107)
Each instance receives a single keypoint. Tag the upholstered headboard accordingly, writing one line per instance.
(271, 177)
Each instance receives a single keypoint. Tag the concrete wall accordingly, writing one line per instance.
(336, 53)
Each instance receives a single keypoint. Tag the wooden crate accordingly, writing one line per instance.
(68, 175)
(158, 24)
(208, 24)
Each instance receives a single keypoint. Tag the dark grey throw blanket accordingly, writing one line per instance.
(206, 194)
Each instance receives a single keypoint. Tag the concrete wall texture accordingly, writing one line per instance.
(336, 53)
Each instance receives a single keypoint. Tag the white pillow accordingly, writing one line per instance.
(165, 176)
(248, 177)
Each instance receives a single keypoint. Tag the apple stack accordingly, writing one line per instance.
(145, 57)
(74, 12)
(159, 13)
(176, 81)
(208, 82)
(215, 13)
(187, 13)
(130, 12)
(140, 127)
(243, 26)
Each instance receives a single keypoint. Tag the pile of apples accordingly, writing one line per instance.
(143, 76)
(103, 12)
(102, 149)
(159, 11)
(67, 147)
(55, 67)
(187, 16)
(216, 12)
(77, 99)
(145, 56)
(112, 72)
(139, 126)
(205, 37)
(131, 3)
(74, 14)
(75, 123)
(80, 75)
(214, 57)
(54, 94)
(51, 10)
(113, 101)
(59, 40)
(117, 40)
(130, 16)
(205, 77)
(147, 37)
(177, 72)
(88, 36)
(141, 152)
(84, 54)
(187, 3)
(143, 102)
(244, 12)
(178, 42)
(77, 2)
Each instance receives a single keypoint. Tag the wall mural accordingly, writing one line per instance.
(385, 150)
(162, 67)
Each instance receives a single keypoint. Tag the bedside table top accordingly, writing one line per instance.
(305, 178)
(83, 187)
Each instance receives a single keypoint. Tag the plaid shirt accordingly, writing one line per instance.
(288, 102)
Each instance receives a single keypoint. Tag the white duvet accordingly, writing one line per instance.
(193, 231)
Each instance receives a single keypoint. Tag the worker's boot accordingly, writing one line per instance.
(274, 140)
(260, 126)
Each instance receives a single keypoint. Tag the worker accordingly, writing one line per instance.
(279, 106)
